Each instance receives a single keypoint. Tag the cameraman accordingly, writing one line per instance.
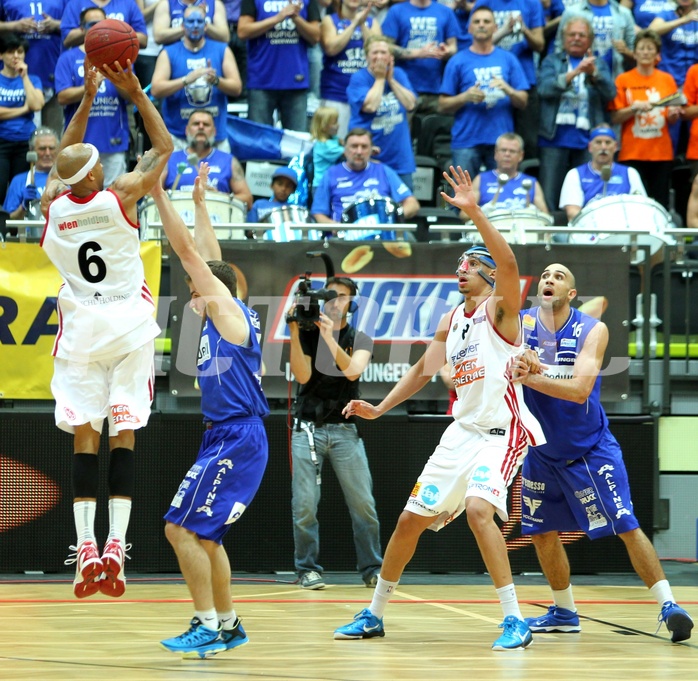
(327, 362)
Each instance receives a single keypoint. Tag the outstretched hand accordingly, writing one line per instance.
(463, 196)
(123, 79)
(200, 183)
(362, 409)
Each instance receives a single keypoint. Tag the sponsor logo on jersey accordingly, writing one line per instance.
(235, 513)
(85, 222)
(430, 495)
(120, 413)
(482, 474)
(568, 342)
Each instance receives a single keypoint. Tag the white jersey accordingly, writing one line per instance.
(480, 361)
(104, 306)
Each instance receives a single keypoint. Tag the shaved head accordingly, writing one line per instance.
(73, 159)
(557, 267)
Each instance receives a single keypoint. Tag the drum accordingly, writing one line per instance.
(519, 220)
(283, 218)
(373, 211)
(624, 210)
(222, 208)
(378, 210)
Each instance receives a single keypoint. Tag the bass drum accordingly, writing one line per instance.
(518, 220)
(624, 210)
(283, 218)
(223, 209)
(371, 212)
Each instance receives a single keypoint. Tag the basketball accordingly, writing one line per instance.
(110, 41)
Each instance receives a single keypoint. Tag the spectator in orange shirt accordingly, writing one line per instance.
(645, 124)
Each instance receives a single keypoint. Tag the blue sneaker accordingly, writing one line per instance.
(677, 621)
(365, 625)
(197, 642)
(555, 620)
(234, 637)
(516, 634)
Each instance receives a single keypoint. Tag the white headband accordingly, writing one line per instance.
(82, 173)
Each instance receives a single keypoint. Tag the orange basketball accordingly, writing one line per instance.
(110, 41)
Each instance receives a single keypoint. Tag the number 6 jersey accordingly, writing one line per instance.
(105, 308)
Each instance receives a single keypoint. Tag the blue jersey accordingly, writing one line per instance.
(679, 47)
(593, 184)
(528, 12)
(414, 27)
(44, 48)
(645, 11)
(388, 124)
(230, 375)
(571, 429)
(219, 177)
(13, 96)
(337, 69)
(278, 59)
(511, 195)
(341, 186)
(482, 123)
(107, 125)
(124, 10)
(13, 198)
(177, 108)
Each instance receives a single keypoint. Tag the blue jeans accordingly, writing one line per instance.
(291, 105)
(340, 444)
(472, 158)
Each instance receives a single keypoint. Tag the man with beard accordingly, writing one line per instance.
(589, 182)
(577, 480)
(193, 74)
(225, 172)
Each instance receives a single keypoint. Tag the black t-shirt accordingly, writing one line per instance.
(328, 391)
(249, 8)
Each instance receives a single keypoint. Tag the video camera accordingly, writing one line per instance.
(307, 300)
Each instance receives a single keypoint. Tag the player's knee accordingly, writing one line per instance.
(479, 513)
(121, 473)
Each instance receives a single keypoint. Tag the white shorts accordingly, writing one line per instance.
(466, 463)
(120, 389)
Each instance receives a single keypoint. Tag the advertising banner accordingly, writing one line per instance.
(29, 284)
(404, 290)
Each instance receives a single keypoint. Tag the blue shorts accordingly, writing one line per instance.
(589, 494)
(223, 481)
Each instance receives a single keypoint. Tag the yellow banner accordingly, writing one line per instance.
(28, 320)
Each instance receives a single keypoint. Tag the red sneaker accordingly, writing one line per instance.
(113, 581)
(88, 570)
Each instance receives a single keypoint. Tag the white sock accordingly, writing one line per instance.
(662, 592)
(381, 596)
(509, 602)
(119, 515)
(565, 599)
(208, 618)
(228, 619)
(84, 513)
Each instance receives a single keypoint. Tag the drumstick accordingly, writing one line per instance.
(181, 167)
(527, 184)
(501, 181)
(32, 158)
(192, 159)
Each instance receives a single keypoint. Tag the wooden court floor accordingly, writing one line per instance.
(433, 632)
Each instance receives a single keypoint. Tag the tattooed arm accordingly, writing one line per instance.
(238, 184)
(133, 186)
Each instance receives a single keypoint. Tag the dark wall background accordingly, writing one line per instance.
(33, 451)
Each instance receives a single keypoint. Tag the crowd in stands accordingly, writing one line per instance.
(546, 74)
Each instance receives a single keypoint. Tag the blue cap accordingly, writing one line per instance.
(602, 131)
(287, 173)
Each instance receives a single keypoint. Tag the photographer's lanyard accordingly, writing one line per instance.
(309, 428)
